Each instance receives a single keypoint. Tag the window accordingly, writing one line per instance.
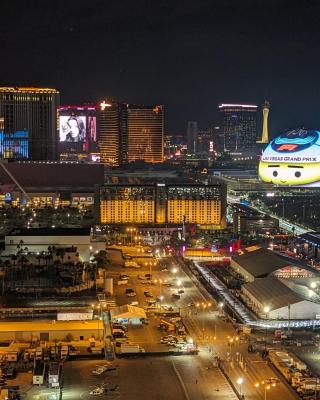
(44, 336)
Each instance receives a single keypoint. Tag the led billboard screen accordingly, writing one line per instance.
(292, 159)
(72, 128)
(14, 145)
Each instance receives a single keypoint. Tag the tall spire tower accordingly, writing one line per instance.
(265, 130)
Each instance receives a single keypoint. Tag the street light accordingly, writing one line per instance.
(240, 382)
(266, 388)
(313, 285)
(266, 310)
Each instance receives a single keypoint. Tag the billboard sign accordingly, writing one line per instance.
(72, 128)
(292, 159)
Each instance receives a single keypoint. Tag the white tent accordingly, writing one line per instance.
(128, 313)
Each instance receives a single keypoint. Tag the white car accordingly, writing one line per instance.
(97, 391)
(131, 294)
(98, 371)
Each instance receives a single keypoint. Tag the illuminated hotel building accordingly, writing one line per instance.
(238, 126)
(34, 112)
(112, 119)
(145, 133)
(164, 204)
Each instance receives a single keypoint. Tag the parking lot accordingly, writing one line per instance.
(148, 335)
(135, 377)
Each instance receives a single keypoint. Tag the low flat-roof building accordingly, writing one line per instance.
(39, 239)
(255, 224)
(50, 330)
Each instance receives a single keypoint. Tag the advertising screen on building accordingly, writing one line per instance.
(14, 145)
(72, 128)
(292, 159)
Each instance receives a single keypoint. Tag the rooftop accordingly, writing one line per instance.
(53, 175)
(50, 232)
(311, 237)
(273, 292)
(261, 262)
(47, 326)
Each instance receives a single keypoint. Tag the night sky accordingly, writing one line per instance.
(187, 55)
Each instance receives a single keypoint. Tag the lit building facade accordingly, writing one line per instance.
(238, 124)
(164, 204)
(33, 111)
(121, 204)
(112, 120)
(145, 133)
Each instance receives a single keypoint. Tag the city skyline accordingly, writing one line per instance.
(184, 55)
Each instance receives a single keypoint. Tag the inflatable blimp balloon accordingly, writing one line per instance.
(292, 159)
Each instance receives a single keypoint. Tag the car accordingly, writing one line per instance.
(176, 296)
(97, 391)
(148, 276)
(124, 277)
(167, 308)
(114, 388)
(120, 326)
(151, 301)
(148, 294)
(131, 294)
(181, 291)
(98, 371)
(164, 270)
(141, 277)
(191, 304)
(134, 303)
(129, 290)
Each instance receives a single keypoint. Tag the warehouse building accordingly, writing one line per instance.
(270, 298)
(50, 330)
(260, 263)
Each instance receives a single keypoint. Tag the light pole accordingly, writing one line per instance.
(266, 388)
(240, 382)
(266, 310)
(221, 305)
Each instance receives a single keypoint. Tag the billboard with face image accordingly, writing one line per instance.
(72, 128)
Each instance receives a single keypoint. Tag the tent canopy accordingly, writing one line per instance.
(127, 312)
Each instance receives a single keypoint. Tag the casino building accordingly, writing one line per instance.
(164, 204)
(29, 123)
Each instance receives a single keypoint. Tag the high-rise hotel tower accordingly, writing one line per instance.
(238, 126)
(130, 132)
(145, 133)
(32, 111)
